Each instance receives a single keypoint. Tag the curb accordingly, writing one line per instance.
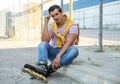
(87, 75)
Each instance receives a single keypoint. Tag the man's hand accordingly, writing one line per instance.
(46, 35)
(56, 62)
(47, 18)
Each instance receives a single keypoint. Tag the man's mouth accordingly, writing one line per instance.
(57, 20)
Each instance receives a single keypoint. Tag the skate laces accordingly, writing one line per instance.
(40, 63)
(51, 70)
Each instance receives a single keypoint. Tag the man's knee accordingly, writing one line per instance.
(74, 50)
(43, 44)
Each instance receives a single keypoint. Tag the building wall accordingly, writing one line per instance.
(86, 13)
(89, 17)
(3, 22)
(27, 23)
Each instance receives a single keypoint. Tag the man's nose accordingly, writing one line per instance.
(55, 17)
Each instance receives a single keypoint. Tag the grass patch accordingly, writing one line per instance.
(98, 50)
(77, 62)
(14, 39)
(106, 48)
(95, 64)
(115, 48)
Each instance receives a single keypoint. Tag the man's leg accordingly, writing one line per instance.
(45, 52)
(69, 56)
(66, 59)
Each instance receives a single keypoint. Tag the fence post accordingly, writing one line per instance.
(70, 8)
(28, 20)
(100, 24)
(41, 16)
(62, 4)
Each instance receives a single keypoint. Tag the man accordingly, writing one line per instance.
(57, 41)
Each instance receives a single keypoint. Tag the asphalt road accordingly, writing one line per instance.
(12, 61)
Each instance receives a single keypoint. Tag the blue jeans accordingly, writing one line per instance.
(46, 51)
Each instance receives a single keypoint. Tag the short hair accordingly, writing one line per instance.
(53, 7)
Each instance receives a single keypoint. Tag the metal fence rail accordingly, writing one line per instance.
(88, 20)
(28, 25)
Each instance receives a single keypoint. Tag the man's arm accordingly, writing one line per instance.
(69, 41)
(46, 35)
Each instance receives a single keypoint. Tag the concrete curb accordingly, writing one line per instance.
(87, 75)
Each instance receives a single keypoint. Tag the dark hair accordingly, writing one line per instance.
(53, 7)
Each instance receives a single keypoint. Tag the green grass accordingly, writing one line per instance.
(95, 64)
(14, 39)
(77, 62)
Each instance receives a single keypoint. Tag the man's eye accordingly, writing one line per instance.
(52, 15)
(56, 14)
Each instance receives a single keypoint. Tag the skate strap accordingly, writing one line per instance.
(41, 63)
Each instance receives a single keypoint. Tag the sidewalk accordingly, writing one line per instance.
(89, 67)
(95, 68)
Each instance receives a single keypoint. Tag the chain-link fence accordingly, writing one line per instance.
(27, 19)
(88, 19)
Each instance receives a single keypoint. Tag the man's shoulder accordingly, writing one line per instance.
(74, 26)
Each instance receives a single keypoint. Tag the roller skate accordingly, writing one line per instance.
(35, 72)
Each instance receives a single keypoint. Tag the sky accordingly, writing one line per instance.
(6, 3)
(9, 3)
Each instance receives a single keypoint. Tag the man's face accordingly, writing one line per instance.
(56, 15)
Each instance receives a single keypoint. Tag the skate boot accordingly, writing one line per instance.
(50, 70)
(42, 69)
(45, 69)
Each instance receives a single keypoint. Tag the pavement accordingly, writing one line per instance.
(95, 67)
(90, 67)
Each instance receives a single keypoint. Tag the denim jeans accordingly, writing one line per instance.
(46, 51)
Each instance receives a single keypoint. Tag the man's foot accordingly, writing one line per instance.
(42, 68)
(50, 70)
(45, 69)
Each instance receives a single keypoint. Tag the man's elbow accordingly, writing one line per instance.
(45, 39)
